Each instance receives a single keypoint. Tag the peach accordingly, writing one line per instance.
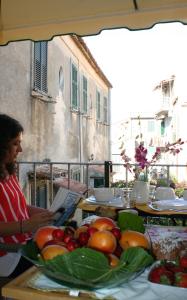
(113, 260)
(43, 235)
(103, 241)
(130, 238)
(49, 252)
(103, 223)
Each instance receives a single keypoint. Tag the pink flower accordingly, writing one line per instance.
(141, 155)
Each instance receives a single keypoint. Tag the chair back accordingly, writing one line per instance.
(164, 193)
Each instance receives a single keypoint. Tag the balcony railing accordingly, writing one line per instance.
(108, 170)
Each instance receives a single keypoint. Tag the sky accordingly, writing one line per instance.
(136, 61)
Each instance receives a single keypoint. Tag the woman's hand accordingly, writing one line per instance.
(38, 220)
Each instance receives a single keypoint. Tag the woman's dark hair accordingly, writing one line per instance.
(9, 129)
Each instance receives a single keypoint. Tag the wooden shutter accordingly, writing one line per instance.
(74, 99)
(85, 94)
(105, 112)
(98, 106)
(40, 66)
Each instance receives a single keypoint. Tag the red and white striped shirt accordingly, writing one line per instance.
(13, 207)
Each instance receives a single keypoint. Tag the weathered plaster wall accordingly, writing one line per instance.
(52, 130)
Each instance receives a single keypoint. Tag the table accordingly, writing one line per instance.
(146, 211)
(143, 210)
(18, 289)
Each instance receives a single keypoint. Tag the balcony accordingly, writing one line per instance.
(42, 180)
(163, 111)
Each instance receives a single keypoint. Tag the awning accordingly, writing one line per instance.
(43, 19)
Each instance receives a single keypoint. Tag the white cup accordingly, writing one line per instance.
(103, 194)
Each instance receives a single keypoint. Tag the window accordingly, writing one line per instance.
(74, 87)
(61, 79)
(105, 110)
(40, 67)
(98, 106)
(84, 94)
(162, 127)
(150, 126)
(77, 175)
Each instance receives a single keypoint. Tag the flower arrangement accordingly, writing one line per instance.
(141, 157)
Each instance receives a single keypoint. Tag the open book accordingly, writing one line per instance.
(64, 205)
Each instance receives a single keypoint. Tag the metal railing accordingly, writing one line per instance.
(109, 168)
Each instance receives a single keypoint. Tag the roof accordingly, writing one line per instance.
(86, 52)
(44, 19)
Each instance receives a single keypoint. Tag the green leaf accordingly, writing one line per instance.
(129, 221)
(89, 269)
(81, 261)
(31, 252)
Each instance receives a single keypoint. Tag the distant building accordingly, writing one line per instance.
(172, 115)
(62, 98)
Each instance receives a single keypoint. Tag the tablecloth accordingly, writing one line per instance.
(139, 288)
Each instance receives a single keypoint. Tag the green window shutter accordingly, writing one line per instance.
(74, 82)
(40, 66)
(162, 127)
(105, 112)
(85, 94)
(98, 106)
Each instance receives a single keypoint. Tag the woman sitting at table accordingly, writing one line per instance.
(17, 219)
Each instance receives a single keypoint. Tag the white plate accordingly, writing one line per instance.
(116, 202)
(176, 204)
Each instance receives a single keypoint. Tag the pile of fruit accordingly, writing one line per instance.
(102, 235)
(170, 273)
(103, 253)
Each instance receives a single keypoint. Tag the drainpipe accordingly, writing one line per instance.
(80, 146)
(109, 127)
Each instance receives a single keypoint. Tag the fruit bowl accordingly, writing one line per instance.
(89, 269)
